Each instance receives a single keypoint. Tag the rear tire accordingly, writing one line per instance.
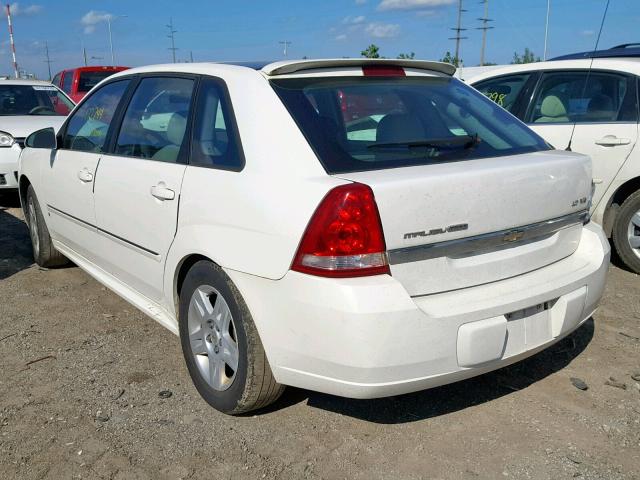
(626, 232)
(44, 253)
(220, 343)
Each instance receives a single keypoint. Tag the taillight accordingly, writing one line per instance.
(344, 237)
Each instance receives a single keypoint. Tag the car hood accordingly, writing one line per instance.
(21, 126)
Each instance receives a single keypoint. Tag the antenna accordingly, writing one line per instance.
(286, 43)
(13, 45)
(48, 60)
(171, 35)
(485, 26)
(458, 29)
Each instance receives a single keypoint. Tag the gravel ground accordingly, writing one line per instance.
(81, 373)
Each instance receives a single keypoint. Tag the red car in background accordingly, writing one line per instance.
(76, 82)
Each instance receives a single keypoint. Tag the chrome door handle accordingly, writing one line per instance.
(85, 175)
(612, 141)
(161, 192)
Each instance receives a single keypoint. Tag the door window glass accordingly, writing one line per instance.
(503, 90)
(215, 142)
(582, 97)
(155, 123)
(66, 82)
(87, 129)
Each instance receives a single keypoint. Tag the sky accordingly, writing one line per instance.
(242, 30)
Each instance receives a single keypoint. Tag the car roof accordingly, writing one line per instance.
(625, 50)
(287, 67)
(96, 68)
(24, 81)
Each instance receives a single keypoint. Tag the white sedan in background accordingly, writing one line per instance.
(26, 106)
(358, 227)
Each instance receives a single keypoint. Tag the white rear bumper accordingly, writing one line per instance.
(9, 167)
(366, 337)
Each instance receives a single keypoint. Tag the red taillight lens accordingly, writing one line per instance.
(344, 237)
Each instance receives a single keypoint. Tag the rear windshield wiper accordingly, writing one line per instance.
(463, 141)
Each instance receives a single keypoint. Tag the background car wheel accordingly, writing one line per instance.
(221, 346)
(44, 253)
(626, 232)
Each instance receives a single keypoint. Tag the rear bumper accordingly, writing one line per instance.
(9, 167)
(367, 338)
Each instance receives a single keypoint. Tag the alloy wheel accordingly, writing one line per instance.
(633, 233)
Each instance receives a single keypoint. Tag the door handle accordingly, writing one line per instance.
(161, 192)
(612, 141)
(85, 175)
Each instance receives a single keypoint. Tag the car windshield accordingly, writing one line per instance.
(371, 123)
(88, 80)
(33, 100)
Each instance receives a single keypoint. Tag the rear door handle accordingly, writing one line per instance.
(612, 141)
(161, 192)
(85, 175)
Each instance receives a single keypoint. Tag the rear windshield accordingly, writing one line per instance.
(88, 80)
(371, 123)
(33, 100)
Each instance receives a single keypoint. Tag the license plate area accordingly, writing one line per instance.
(529, 327)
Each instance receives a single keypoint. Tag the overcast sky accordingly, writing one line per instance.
(251, 30)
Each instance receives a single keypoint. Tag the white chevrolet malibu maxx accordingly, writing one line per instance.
(358, 227)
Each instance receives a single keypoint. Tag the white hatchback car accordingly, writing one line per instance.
(358, 227)
(26, 106)
(585, 103)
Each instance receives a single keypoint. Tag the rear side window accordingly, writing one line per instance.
(215, 139)
(56, 80)
(503, 90)
(370, 123)
(155, 122)
(583, 97)
(88, 126)
(66, 82)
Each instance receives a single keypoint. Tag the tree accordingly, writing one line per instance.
(527, 57)
(448, 58)
(407, 56)
(372, 51)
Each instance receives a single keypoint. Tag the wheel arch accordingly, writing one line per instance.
(23, 185)
(623, 192)
(180, 272)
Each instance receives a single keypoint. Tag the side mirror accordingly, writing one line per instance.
(45, 138)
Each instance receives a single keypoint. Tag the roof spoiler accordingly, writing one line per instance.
(288, 67)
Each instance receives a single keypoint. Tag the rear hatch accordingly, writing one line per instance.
(455, 225)
(467, 194)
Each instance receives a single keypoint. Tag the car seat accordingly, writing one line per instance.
(552, 110)
(176, 127)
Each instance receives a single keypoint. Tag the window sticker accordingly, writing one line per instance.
(49, 88)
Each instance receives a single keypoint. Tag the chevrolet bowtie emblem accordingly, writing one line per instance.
(513, 236)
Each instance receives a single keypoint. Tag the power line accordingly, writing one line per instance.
(171, 35)
(458, 29)
(485, 26)
(286, 43)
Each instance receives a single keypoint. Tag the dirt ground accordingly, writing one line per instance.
(81, 373)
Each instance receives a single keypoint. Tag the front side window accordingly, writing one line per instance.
(67, 79)
(33, 100)
(503, 90)
(370, 123)
(87, 128)
(584, 97)
(155, 122)
(215, 140)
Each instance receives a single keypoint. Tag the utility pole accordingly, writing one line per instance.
(458, 29)
(84, 55)
(109, 18)
(48, 60)
(171, 35)
(191, 55)
(13, 45)
(485, 26)
(286, 43)
(546, 30)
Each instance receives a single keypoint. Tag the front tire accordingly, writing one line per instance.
(220, 343)
(626, 232)
(44, 253)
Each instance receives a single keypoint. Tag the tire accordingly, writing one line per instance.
(212, 317)
(627, 224)
(44, 253)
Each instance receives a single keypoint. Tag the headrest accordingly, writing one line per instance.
(553, 107)
(176, 128)
(400, 128)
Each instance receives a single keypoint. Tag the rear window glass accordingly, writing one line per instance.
(88, 80)
(367, 123)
